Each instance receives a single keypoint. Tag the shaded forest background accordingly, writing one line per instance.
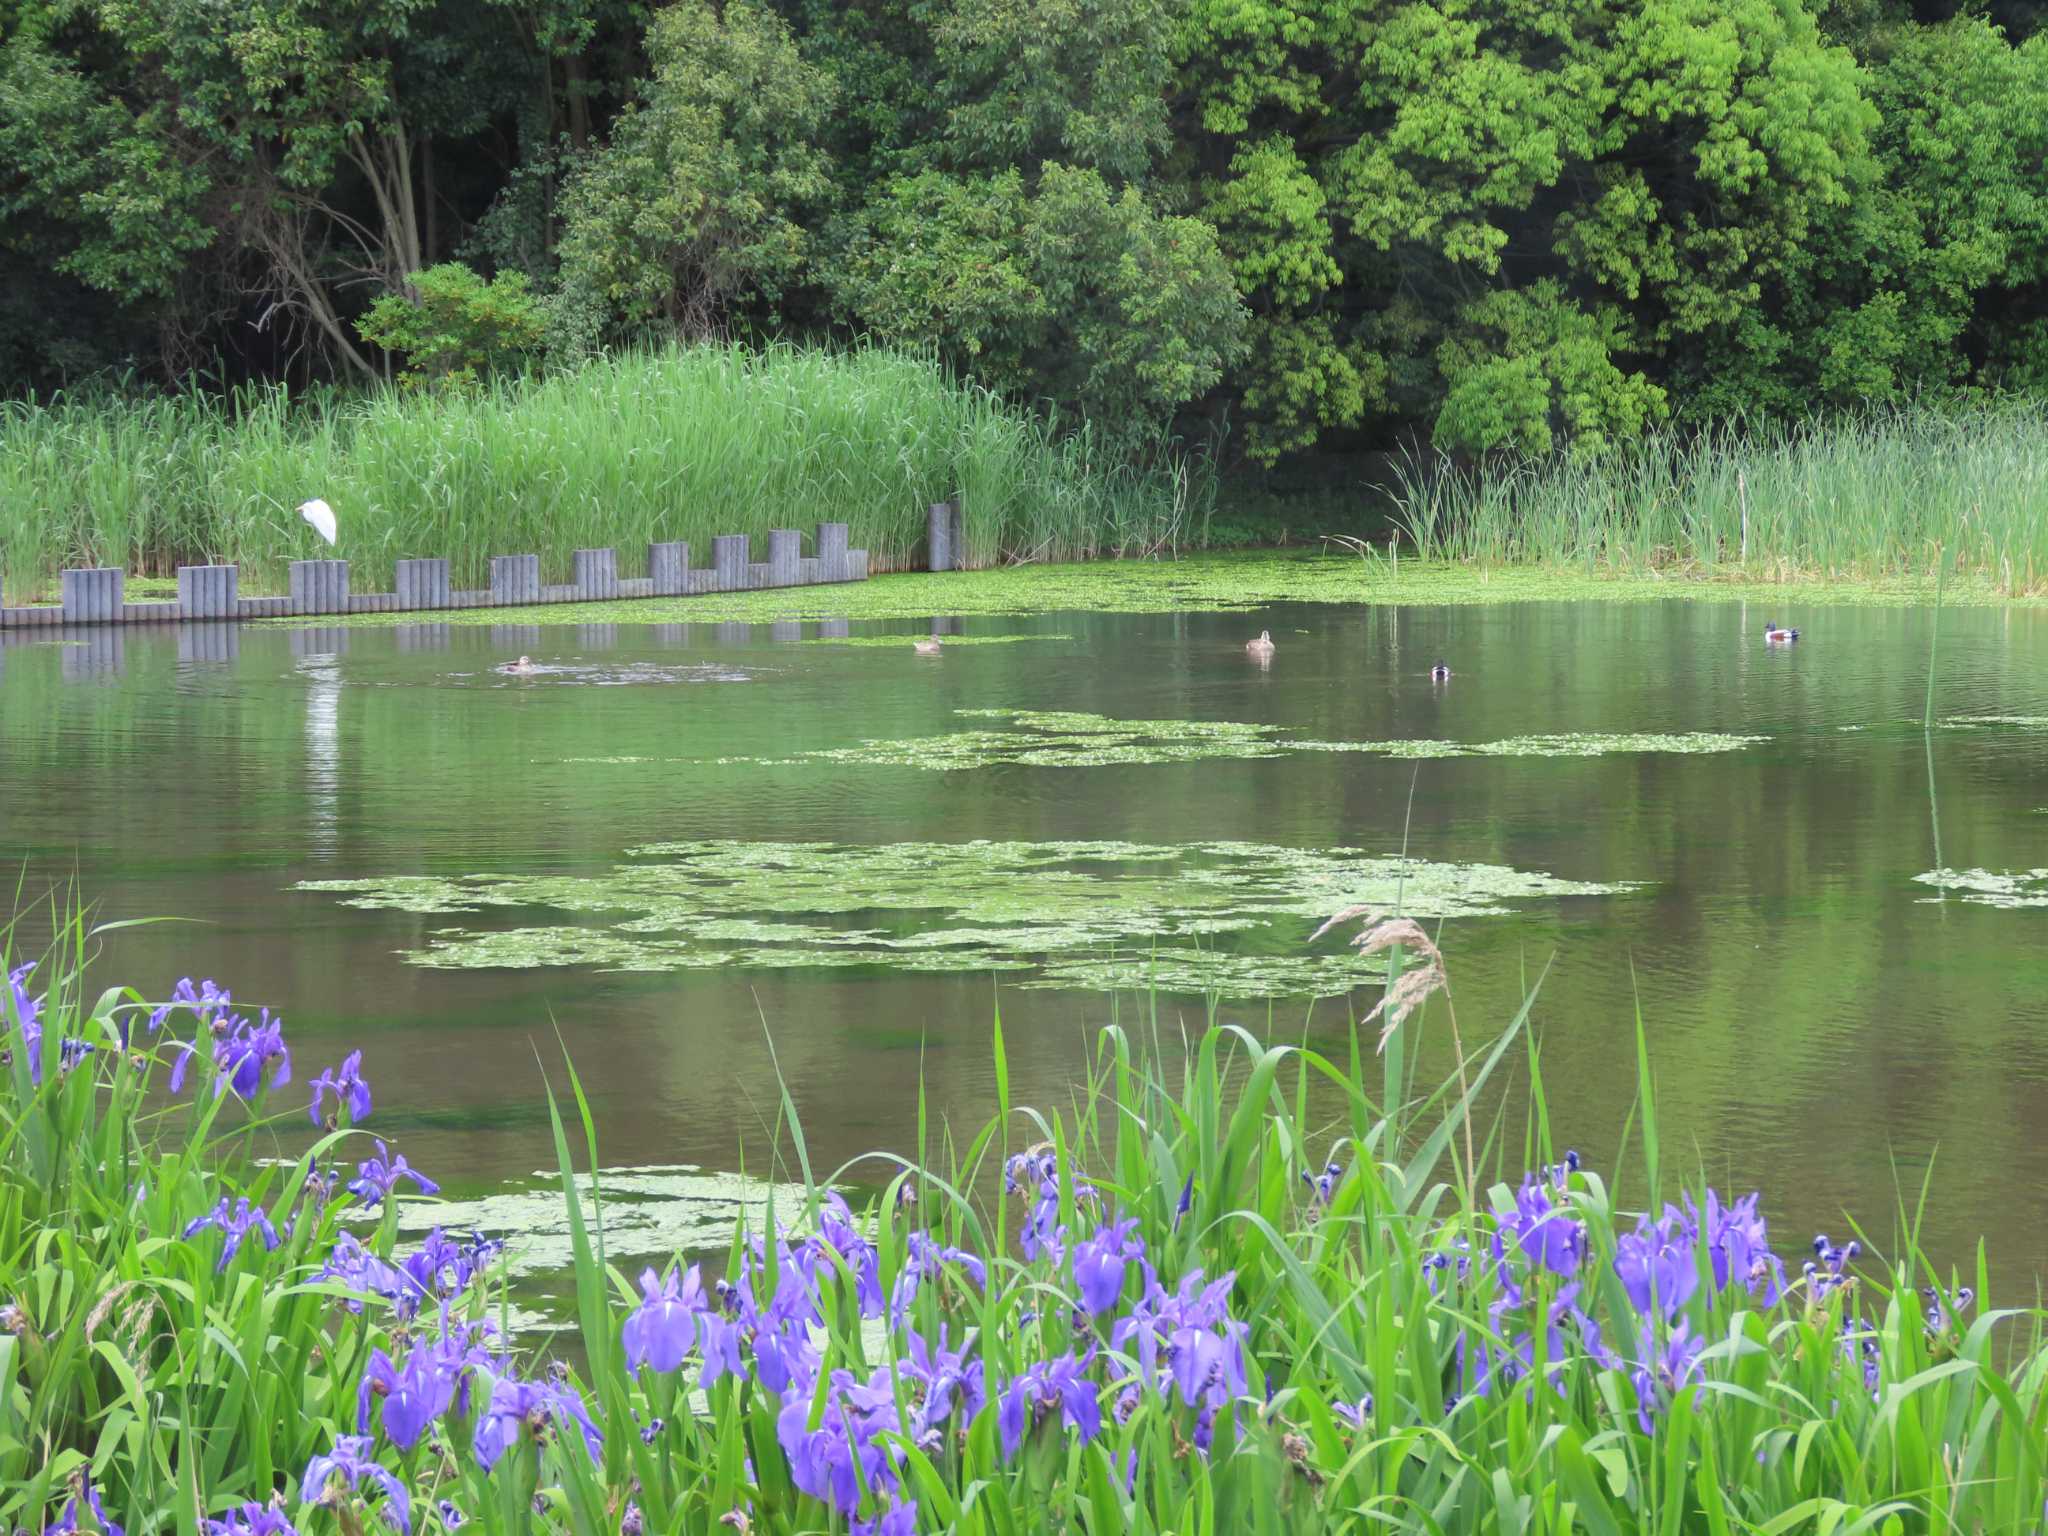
(1523, 225)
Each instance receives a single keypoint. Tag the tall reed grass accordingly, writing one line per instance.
(1888, 493)
(659, 444)
(1262, 1291)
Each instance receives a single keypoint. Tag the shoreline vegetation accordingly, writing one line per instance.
(644, 445)
(1184, 1302)
(687, 442)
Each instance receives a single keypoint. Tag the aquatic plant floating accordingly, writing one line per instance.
(1228, 917)
(1073, 739)
(1989, 888)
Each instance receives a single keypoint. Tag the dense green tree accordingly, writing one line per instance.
(1066, 290)
(1528, 227)
(701, 194)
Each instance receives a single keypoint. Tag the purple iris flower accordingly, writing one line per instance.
(1739, 1247)
(833, 1461)
(836, 1228)
(947, 1379)
(349, 1465)
(1666, 1373)
(414, 1395)
(1656, 1264)
(1936, 1315)
(1187, 1198)
(1543, 1230)
(1831, 1273)
(664, 1328)
(519, 1407)
(236, 1223)
(1060, 1384)
(452, 1517)
(900, 1521)
(243, 1056)
(1194, 1319)
(1504, 1367)
(362, 1271)
(67, 1523)
(1355, 1414)
(250, 1520)
(350, 1091)
(927, 1261)
(1100, 1262)
(203, 1002)
(444, 1269)
(1323, 1185)
(29, 1010)
(376, 1177)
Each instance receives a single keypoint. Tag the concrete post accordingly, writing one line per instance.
(668, 566)
(422, 584)
(319, 586)
(938, 523)
(514, 579)
(831, 551)
(729, 562)
(92, 596)
(209, 591)
(597, 573)
(785, 549)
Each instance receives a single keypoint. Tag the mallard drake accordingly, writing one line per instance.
(518, 668)
(1440, 673)
(1776, 636)
(1261, 647)
(928, 647)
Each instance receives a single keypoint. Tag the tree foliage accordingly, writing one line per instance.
(1537, 226)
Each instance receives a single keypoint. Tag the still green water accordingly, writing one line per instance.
(671, 842)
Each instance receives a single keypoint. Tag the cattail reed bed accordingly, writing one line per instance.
(1885, 494)
(1262, 1290)
(676, 443)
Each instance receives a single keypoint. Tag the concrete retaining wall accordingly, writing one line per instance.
(94, 596)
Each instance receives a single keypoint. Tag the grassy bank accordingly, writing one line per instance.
(673, 444)
(1196, 1309)
(1886, 496)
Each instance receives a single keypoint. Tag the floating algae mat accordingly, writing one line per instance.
(649, 1212)
(1989, 888)
(898, 642)
(1090, 914)
(1071, 739)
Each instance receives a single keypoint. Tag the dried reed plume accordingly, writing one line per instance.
(1378, 933)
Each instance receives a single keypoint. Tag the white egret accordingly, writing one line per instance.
(321, 516)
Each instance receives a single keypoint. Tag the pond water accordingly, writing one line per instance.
(669, 844)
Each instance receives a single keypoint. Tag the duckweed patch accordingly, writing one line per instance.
(649, 1212)
(1086, 914)
(898, 642)
(1989, 888)
(1209, 583)
(1071, 739)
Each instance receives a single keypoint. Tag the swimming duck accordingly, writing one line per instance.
(926, 647)
(1776, 636)
(1261, 647)
(518, 668)
(1440, 673)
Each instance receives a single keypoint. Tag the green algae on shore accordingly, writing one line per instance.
(1074, 913)
(1203, 583)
